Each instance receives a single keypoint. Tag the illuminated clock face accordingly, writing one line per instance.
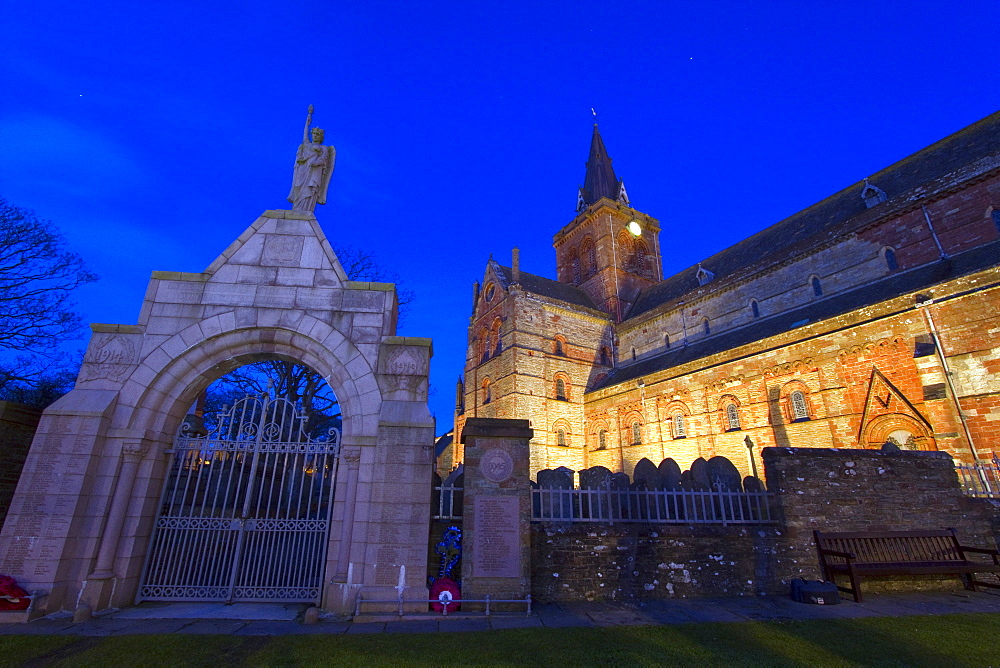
(634, 228)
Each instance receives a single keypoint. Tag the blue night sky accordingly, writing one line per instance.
(154, 133)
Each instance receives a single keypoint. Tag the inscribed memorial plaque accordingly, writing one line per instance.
(496, 540)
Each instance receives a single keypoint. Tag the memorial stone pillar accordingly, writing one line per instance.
(496, 515)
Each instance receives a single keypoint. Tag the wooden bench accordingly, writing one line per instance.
(859, 554)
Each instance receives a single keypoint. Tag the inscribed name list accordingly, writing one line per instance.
(496, 540)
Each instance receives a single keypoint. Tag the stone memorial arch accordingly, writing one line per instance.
(81, 523)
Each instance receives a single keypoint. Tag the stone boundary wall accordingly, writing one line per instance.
(825, 489)
(867, 490)
(600, 562)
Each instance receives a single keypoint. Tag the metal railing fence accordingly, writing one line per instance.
(653, 506)
(448, 502)
(981, 479)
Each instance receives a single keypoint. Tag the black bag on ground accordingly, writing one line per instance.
(815, 591)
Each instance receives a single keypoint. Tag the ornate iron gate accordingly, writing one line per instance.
(245, 512)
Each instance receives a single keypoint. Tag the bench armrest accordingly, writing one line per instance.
(834, 553)
(962, 549)
(979, 550)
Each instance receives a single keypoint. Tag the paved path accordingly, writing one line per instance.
(159, 619)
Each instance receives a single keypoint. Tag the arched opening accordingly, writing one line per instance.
(484, 344)
(495, 336)
(588, 258)
(732, 417)
(817, 287)
(903, 431)
(799, 409)
(636, 433)
(680, 429)
(244, 514)
(561, 390)
(639, 254)
(559, 346)
(890, 259)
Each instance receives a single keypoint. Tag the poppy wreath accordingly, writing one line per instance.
(12, 597)
(445, 589)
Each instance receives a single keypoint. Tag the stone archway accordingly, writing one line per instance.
(904, 431)
(82, 517)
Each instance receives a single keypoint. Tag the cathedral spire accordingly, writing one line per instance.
(600, 180)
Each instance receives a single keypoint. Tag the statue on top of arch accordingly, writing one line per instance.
(313, 167)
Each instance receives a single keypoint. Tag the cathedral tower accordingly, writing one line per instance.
(610, 250)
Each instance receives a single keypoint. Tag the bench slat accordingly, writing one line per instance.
(897, 553)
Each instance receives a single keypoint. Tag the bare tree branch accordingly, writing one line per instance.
(361, 265)
(37, 276)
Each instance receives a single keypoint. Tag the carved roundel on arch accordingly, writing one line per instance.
(903, 430)
(163, 394)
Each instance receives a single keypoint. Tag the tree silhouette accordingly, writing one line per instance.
(37, 276)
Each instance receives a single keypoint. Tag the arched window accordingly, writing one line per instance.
(487, 392)
(605, 357)
(484, 345)
(732, 418)
(755, 308)
(799, 409)
(680, 429)
(495, 333)
(639, 257)
(890, 259)
(633, 353)
(666, 341)
(817, 286)
(574, 261)
(624, 250)
(588, 258)
(561, 437)
(561, 389)
(559, 348)
(602, 439)
(706, 327)
(636, 433)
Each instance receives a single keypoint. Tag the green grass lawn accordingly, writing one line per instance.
(944, 640)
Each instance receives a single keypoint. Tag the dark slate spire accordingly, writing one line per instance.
(600, 180)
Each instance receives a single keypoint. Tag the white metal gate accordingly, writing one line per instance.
(245, 512)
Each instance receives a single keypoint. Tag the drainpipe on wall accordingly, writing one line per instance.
(947, 376)
(683, 324)
(614, 267)
(927, 217)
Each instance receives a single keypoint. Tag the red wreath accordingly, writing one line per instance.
(12, 597)
(445, 589)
